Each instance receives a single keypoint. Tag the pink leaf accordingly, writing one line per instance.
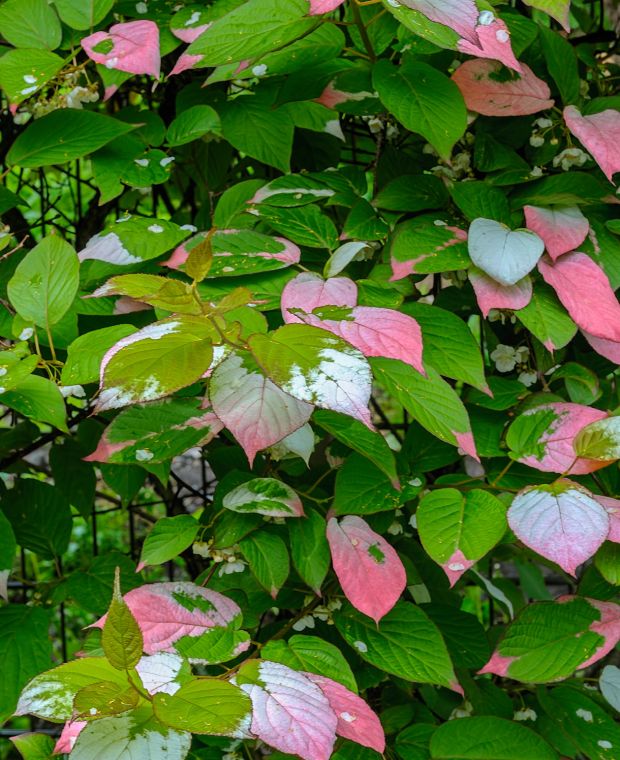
(134, 47)
(608, 627)
(255, 410)
(487, 92)
(585, 292)
(460, 15)
(599, 134)
(557, 441)
(289, 711)
(323, 6)
(184, 62)
(68, 737)
(563, 523)
(356, 721)
(368, 568)
(492, 295)
(493, 42)
(563, 228)
(456, 566)
(498, 665)
(612, 507)
(465, 441)
(168, 611)
(332, 96)
(309, 291)
(610, 349)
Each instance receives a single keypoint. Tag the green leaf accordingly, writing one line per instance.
(464, 635)
(429, 247)
(121, 637)
(34, 746)
(309, 549)
(478, 199)
(449, 344)
(419, 192)
(430, 400)
(268, 558)
(45, 526)
(468, 524)
(86, 352)
(135, 734)
(358, 437)
(161, 292)
(38, 399)
(30, 24)
(218, 644)
(419, 24)
(311, 654)
(304, 225)
(91, 587)
(45, 282)
(362, 489)
(62, 136)
(84, 14)
(204, 706)
(599, 440)
(156, 361)
(488, 738)
(424, 100)
(607, 561)
(168, 538)
(73, 477)
(8, 546)
(547, 319)
(413, 742)
(25, 648)
(255, 28)
(561, 61)
(99, 700)
(192, 124)
(23, 72)
(526, 435)
(405, 643)
(14, 371)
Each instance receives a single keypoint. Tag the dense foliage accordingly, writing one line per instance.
(359, 259)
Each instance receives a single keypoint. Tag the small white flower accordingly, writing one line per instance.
(305, 622)
(228, 568)
(395, 528)
(201, 548)
(536, 141)
(26, 333)
(142, 8)
(536, 171)
(375, 125)
(525, 714)
(522, 353)
(504, 357)
(72, 390)
(570, 157)
(527, 378)
(543, 123)
(21, 117)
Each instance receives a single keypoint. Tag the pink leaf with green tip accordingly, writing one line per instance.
(585, 292)
(562, 228)
(456, 566)
(557, 441)
(493, 42)
(608, 626)
(460, 15)
(564, 524)
(290, 712)
(168, 611)
(253, 408)
(356, 721)
(309, 291)
(134, 47)
(370, 571)
(487, 93)
(492, 295)
(599, 134)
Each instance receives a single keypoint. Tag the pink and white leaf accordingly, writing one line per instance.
(135, 47)
(309, 291)
(559, 455)
(166, 612)
(585, 292)
(370, 571)
(493, 42)
(562, 228)
(608, 626)
(599, 134)
(68, 737)
(160, 672)
(492, 295)
(291, 713)
(185, 62)
(256, 411)
(566, 526)
(612, 507)
(486, 94)
(459, 15)
(610, 349)
(356, 721)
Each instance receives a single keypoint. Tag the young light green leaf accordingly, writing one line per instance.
(599, 440)
(121, 637)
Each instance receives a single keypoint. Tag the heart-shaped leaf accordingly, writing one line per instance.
(505, 255)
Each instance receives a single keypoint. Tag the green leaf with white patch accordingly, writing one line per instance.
(156, 361)
(168, 538)
(304, 225)
(86, 352)
(291, 190)
(215, 645)
(424, 100)
(404, 643)
(599, 440)
(264, 496)
(205, 706)
(45, 282)
(268, 558)
(314, 655)
(23, 72)
(313, 365)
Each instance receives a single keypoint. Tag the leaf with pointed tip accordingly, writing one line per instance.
(121, 637)
(312, 365)
(370, 571)
(425, 245)
(167, 611)
(309, 548)
(493, 41)
(599, 134)
(264, 496)
(290, 712)
(356, 721)
(458, 529)
(256, 411)
(487, 91)
(491, 294)
(543, 436)
(132, 47)
(38, 746)
(268, 558)
(562, 523)
(168, 538)
(506, 255)
(599, 440)
(574, 275)
(545, 318)
(557, 9)
(562, 228)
